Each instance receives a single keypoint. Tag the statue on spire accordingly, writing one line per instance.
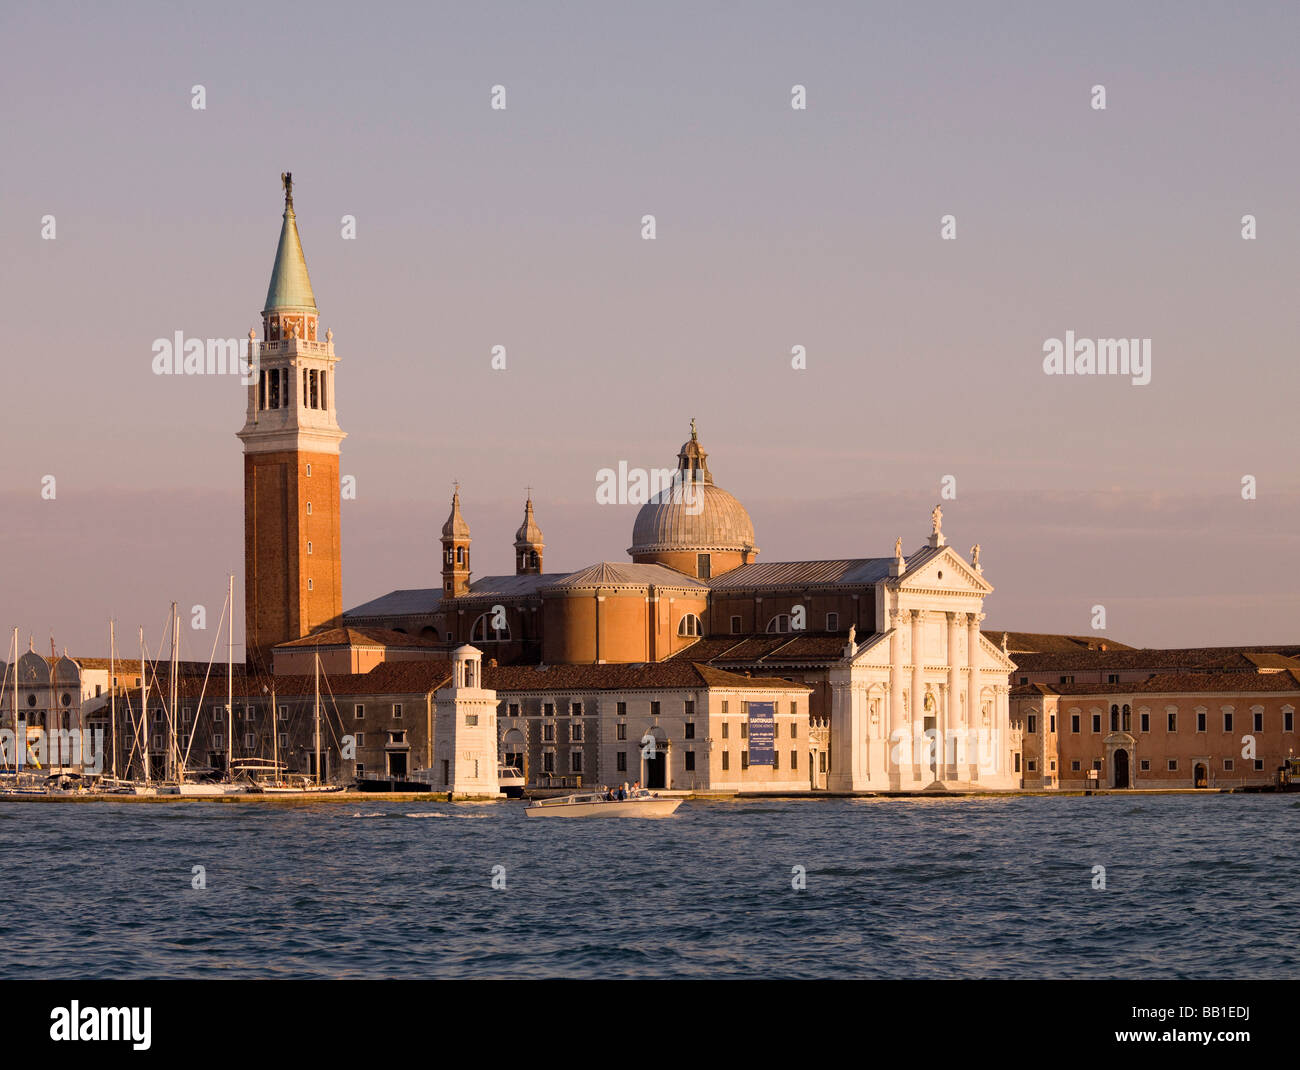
(936, 519)
(286, 180)
(693, 437)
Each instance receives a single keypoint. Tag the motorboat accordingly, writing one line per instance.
(640, 803)
(510, 779)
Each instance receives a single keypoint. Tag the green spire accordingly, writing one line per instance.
(290, 285)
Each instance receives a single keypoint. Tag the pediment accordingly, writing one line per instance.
(945, 571)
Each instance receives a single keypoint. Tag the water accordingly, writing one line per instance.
(1201, 886)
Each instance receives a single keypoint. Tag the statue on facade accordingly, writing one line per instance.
(936, 519)
(898, 548)
(975, 555)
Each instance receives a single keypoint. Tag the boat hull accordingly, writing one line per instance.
(626, 808)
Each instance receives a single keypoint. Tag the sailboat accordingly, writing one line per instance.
(227, 785)
(302, 784)
(15, 782)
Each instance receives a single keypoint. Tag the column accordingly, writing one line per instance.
(973, 720)
(895, 721)
(954, 726)
(918, 679)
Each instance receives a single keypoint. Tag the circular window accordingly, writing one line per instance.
(940, 575)
(65, 699)
(31, 700)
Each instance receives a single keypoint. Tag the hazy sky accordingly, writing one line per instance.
(775, 227)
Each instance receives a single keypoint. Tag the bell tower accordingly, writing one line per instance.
(528, 543)
(455, 551)
(292, 550)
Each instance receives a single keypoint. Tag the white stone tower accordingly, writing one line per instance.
(465, 730)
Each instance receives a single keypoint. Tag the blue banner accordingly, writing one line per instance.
(762, 732)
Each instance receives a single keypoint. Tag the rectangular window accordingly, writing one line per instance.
(1074, 767)
(1074, 723)
(1052, 723)
(1288, 724)
(703, 570)
(1259, 764)
(548, 733)
(284, 740)
(735, 625)
(726, 760)
(1146, 765)
(1173, 765)
(1032, 765)
(621, 709)
(1259, 722)
(310, 586)
(309, 546)
(744, 729)
(621, 764)
(1146, 722)
(1227, 722)
(744, 759)
(776, 760)
(548, 709)
(688, 730)
(361, 739)
(513, 709)
(575, 732)
(309, 470)
(690, 761)
(726, 705)
(284, 713)
(1031, 723)
(1173, 722)
(187, 714)
(1200, 721)
(548, 762)
(654, 709)
(1096, 722)
(397, 711)
(690, 707)
(1023, 680)
(575, 761)
(832, 622)
(622, 730)
(1067, 679)
(1096, 764)
(1112, 678)
(471, 721)
(359, 712)
(1227, 764)
(575, 709)
(1017, 757)
(726, 730)
(821, 761)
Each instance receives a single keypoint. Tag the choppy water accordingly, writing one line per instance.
(1198, 886)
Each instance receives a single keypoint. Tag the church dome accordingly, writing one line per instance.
(694, 514)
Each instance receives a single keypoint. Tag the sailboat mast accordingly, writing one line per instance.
(112, 698)
(230, 682)
(144, 711)
(173, 748)
(20, 745)
(318, 719)
(275, 739)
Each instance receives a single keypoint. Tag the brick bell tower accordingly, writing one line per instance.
(293, 574)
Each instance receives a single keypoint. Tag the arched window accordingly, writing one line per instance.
(1114, 718)
(779, 623)
(1128, 718)
(690, 625)
(460, 555)
(483, 632)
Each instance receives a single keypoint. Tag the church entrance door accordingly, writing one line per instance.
(656, 772)
(1121, 768)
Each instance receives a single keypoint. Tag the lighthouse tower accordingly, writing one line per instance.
(292, 552)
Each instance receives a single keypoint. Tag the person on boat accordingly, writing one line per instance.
(622, 792)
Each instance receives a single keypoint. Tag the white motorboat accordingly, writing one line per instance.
(594, 804)
(510, 780)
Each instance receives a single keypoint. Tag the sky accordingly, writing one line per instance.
(775, 227)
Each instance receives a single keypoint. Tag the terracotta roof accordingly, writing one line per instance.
(1048, 643)
(367, 637)
(1176, 683)
(856, 570)
(642, 676)
(1230, 658)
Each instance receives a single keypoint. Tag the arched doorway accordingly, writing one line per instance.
(1121, 768)
(654, 759)
(1200, 775)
